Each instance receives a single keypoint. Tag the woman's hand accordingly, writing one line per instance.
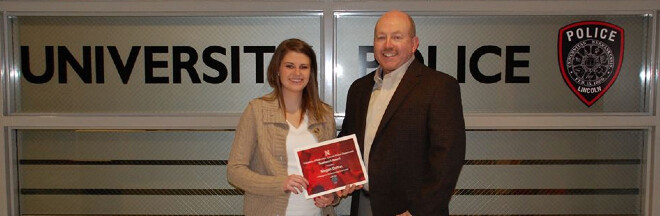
(348, 190)
(294, 184)
(325, 200)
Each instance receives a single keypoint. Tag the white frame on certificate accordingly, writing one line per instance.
(336, 140)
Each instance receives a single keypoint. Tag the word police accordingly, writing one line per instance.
(511, 62)
(591, 33)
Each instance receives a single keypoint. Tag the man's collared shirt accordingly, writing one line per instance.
(381, 94)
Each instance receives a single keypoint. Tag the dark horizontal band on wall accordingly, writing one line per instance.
(503, 192)
(179, 192)
(121, 215)
(224, 162)
(342, 215)
(124, 162)
(552, 162)
(184, 192)
(549, 215)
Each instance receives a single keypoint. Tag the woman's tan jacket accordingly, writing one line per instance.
(258, 161)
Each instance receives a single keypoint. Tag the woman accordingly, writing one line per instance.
(262, 159)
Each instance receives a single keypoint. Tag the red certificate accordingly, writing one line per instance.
(331, 165)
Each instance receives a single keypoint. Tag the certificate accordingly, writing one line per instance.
(331, 165)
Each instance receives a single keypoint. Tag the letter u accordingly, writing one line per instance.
(25, 66)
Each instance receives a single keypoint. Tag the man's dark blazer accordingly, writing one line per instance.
(419, 147)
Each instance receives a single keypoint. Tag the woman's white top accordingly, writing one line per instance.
(296, 138)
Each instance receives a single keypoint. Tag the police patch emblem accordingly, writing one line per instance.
(590, 57)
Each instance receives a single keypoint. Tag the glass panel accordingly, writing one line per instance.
(126, 172)
(112, 172)
(147, 64)
(522, 172)
(552, 172)
(507, 64)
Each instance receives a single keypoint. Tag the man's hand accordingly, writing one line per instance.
(348, 190)
(407, 213)
(325, 200)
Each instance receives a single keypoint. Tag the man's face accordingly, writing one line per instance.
(393, 41)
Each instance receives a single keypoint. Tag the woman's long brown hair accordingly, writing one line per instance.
(311, 103)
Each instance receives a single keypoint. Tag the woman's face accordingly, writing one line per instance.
(295, 70)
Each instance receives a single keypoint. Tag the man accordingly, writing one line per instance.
(408, 119)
